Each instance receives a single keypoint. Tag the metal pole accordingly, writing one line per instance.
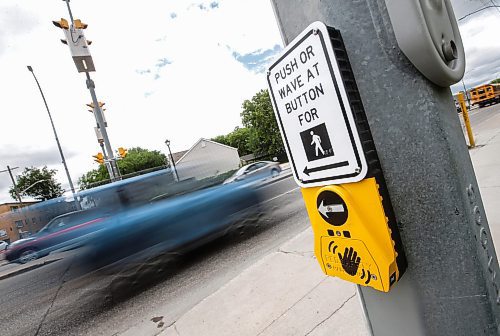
(172, 160)
(69, 11)
(452, 264)
(112, 167)
(18, 194)
(465, 114)
(14, 184)
(100, 122)
(465, 91)
(77, 204)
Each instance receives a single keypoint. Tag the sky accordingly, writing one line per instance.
(176, 69)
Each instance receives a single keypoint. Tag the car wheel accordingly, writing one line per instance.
(28, 255)
(274, 172)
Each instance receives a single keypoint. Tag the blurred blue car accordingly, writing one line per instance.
(177, 223)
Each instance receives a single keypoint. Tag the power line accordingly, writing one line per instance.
(481, 9)
(494, 4)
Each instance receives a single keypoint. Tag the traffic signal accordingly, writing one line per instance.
(122, 152)
(99, 158)
(63, 24)
(78, 24)
(91, 105)
(77, 43)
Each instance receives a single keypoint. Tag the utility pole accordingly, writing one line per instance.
(450, 286)
(16, 191)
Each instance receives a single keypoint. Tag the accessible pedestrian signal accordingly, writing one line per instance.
(352, 238)
(334, 159)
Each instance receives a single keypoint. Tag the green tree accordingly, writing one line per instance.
(37, 183)
(258, 117)
(137, 159)
(495, 81)
(239, 138)
(222, 139)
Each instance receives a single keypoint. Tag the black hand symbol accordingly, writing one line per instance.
(350, 261)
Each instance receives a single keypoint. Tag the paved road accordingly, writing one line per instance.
(66, 298)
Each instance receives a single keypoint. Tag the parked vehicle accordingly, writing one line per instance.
(485, 94)
(70, 229)
(3, 245)
(256, 170)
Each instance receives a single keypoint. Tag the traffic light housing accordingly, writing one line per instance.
(77, 43)
(63, 24)
(91, 105)
(122, 152)
(78, 24)
(99, 158)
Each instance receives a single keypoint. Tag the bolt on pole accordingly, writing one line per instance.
(452, 264)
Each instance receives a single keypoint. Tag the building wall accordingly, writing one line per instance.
(207, 158)
(14, 222)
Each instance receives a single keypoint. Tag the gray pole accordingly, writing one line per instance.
(451, 285)
(466, 94)
(167, 142)
(100, 122)
(112, 166)
(77, 204)
(14, 184)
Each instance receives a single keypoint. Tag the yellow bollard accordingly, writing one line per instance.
(465, 114)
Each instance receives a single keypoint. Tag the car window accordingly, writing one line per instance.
(56, 224)
(260, 165)
(251, 168)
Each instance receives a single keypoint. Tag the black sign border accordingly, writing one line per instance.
(344, 112)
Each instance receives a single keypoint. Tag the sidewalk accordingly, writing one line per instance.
(286, 293)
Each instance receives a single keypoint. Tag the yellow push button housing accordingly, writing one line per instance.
(352, 238)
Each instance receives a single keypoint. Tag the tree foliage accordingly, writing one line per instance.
(37, 183)
(495, 81)
(239, 138)
(137, 159)
(258, 117)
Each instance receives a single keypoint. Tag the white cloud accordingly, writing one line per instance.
(199, 94)
(482, 48)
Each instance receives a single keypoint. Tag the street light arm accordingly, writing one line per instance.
(56, 137)
(33, 184)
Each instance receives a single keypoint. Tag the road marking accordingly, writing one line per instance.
(289, 191)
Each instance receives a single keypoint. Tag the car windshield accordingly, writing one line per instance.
(241, 171)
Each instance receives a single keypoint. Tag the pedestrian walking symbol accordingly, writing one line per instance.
(316, 142)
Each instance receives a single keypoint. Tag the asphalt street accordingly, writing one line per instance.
(67, 298)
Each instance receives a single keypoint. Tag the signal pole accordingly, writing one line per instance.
(78, 45)
(451, 285)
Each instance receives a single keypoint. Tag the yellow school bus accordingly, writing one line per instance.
(485, 94)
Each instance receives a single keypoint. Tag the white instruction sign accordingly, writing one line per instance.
(313, 112)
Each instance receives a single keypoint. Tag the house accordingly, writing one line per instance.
(206, 158)
(13, 222)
